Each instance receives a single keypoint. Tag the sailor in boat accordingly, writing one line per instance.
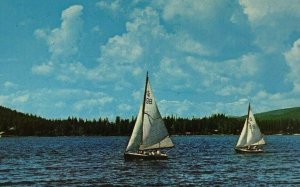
(158, 152)
(254, 148)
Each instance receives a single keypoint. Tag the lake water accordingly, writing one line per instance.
(195, 160)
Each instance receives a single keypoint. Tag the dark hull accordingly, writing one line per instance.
(248, 151)
(137, 156)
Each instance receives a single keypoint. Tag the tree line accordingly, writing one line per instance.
(14, 123)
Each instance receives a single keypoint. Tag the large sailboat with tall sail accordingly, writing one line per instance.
(251, 139)
(150, 134)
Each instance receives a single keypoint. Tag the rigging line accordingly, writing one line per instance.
(168, 150)
(151, 116)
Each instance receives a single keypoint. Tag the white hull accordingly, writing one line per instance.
(141, 156)
(245, 150)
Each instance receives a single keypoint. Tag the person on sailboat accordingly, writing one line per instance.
(158, 152)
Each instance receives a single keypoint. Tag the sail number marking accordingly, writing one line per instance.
(252, 126)
(148, 100)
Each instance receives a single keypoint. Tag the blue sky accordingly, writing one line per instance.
(88, 59)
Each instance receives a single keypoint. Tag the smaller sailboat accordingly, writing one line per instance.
(149, 135)
(251, 139)
(1, 133)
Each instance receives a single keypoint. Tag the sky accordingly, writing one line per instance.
(89, 59)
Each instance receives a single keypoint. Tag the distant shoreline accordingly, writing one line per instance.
(129, 135)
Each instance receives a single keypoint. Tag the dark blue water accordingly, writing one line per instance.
(195, 160)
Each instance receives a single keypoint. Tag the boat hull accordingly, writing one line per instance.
(138, 156)
(248, 151)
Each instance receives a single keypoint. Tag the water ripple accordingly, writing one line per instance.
(195, 161)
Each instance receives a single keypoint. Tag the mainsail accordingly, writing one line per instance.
(155, 134)
(251, 134)
(149, 130)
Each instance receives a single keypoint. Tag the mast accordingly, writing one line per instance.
(247, 120)
(144, 103)
(248, 115)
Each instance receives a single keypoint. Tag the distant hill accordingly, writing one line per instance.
(288, 113)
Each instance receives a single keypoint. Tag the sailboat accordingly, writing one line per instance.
(251, 139)
(149, 134)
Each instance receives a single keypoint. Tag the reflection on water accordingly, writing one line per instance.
(195, 160)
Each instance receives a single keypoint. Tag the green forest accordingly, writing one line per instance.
(14, 123)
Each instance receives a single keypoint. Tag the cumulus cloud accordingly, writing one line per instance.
(88, 103)
(20, 99)
(9, 84)
(63, 43)
(220, 26)
(170, 67)
(113, 6)
(124, 107)
(259, 10)
(184, 43)
(132, 51)
(266, 17)
(228, 77)
(43, 69)
(181, 108)
(292, 58)
(217, 49)
(16, 99)
(78, 102)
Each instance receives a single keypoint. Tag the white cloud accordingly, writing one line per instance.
(292, 58)
(192, 9)
(14, 99)
(221, 77)
(124, 107)
(57, 103)
(258, 10)
(3, 99)
(88, 103)
(42, 69)
(180, 108)
(131, 51)
(185, 43)
(113, 5)
(20, 99)
(170, 67)
(244, 89)
(272, 23)
(122, 47)
(205, 46)
(265, 101)
(63, 43)
(9, 84)
(137, 95)
(216, 27)
(60, 104)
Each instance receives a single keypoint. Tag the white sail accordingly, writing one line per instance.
(251, 134)
(254, 136)
(136, 137)
(243, 137)
(155, 134)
